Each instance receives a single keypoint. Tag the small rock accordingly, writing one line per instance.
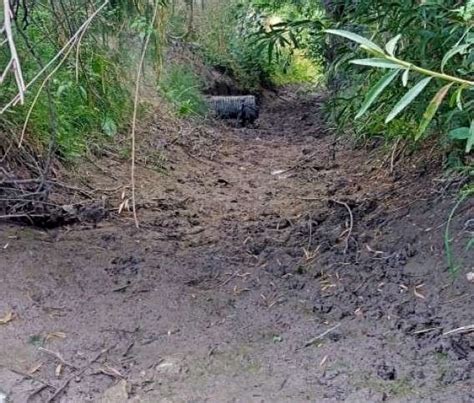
(116, 394)
(3, 397)
(470, 276)
(169, 367)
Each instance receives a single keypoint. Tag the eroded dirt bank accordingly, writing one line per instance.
(271, 266)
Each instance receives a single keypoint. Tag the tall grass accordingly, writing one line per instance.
(182, 87)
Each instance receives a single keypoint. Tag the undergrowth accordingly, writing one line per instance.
(182, 87)
(88, 99)
(227, 40)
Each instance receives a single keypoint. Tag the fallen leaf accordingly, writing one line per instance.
(323, 361)
(57, 335)
(417, 294)
(35, 368)
(58, 371)
(279, 171)
(376, 252)
(108, 370)
(470, 276)
(117, 393)
(7, 318)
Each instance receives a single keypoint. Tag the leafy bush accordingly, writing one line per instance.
(87, 96)
(434, 42)
(386, 59)
(227, 36)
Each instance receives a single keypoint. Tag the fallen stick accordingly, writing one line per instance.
(315, 339)
(81, 371)
(462, 329)
(58, 356)
(351, 224)
(351, 216)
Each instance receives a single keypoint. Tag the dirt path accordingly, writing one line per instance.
(265, 270)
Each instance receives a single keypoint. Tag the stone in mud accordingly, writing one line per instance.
(170, 366)
(116, 394)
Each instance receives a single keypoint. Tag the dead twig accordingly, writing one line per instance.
(58, 356)
(351, 223)
(351, 216)
(14, 62)
(431, 329)
(134, 117)
(33, 378)
(319, 337)
(462, 329)
(81, 371)
(36, 392)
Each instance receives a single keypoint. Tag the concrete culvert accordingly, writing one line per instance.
(243, 108)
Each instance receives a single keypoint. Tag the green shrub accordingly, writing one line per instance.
(88, 99)
(182, 88)
(434, 36)
(227, 35)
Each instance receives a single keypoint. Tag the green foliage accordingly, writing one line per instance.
(87, 100)
(430, 45)
(300, 70)
(386, 59)
(464, 134)
(235, 37)
(223, 42)
(182, 88)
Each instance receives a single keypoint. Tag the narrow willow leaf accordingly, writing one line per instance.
(459, 97)
(376, 62)
(461, 133)
(470, 140)
(407, 99)
(406, 73)
(270, 50)
(375, 91)
(392, 45)
(453, 52)
(356, 38)
(431, 110)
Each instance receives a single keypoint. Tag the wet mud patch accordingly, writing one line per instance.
(271, 265)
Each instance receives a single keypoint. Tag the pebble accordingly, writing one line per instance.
(470, 276)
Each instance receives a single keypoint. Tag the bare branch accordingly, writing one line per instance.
(14, 64)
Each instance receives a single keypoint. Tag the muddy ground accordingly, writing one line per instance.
(272, 264)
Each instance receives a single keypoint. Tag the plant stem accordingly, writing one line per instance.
(431, 73)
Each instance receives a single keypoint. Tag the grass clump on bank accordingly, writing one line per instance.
(182, 88)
